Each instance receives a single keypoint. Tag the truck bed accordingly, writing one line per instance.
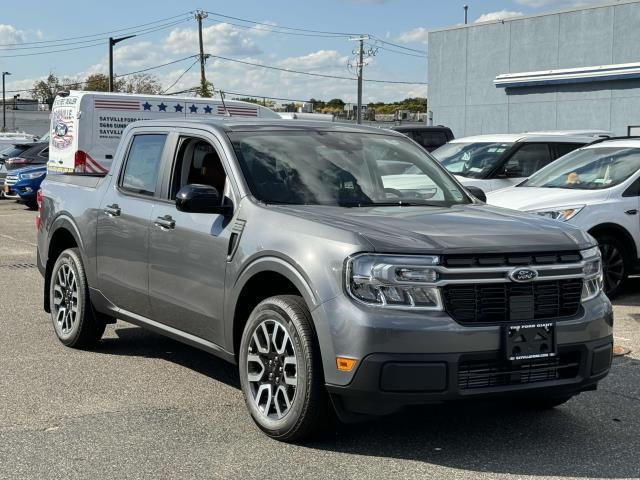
(88, 180)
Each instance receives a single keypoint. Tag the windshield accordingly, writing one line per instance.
(345, 169)
(472, 160)
(13, 151)
(589, 169)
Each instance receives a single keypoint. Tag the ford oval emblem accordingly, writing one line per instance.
(61, 129)
(523, 275)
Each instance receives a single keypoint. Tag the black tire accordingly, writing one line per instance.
(615, 264)
(541, 403)
(86, 328)
(32, 205)
(310, 412)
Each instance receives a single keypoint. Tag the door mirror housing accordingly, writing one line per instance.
(478, 193)
(197, 198)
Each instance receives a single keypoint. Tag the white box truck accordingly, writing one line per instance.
(86, 126)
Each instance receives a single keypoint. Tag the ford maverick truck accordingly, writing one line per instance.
(337, 284)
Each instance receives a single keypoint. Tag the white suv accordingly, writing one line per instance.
(491, 162)
(596, 188)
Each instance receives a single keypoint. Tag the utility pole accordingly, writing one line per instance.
(112, 42)
(466, 13)
(204, 87)
(359, 67)
(4, 106)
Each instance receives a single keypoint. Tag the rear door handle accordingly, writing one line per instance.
(631, 212)
(112, 210)
(165, 223)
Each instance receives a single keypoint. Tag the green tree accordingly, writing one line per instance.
(205, 89)
(99, 82)
(45, 90)
(140, 83)
(335, 103)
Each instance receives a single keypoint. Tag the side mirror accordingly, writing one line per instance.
(512, 171)
(196, 198)
(478, 193)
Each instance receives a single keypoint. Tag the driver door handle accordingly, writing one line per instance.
(631, 212)
(165, 223)
(112, 210)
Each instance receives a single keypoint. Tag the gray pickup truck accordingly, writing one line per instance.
(336, 281)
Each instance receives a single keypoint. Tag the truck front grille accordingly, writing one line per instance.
(11, 180)
(487, 374)
(511, 259)
(504, 302)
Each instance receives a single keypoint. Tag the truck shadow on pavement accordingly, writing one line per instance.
(593, 435)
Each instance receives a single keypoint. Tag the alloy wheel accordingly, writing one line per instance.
(271, 369)
(612, 266)
(65, 299)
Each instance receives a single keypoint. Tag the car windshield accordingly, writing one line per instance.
(472, 160)
(13, 151)
(341, 168)
(589, 169)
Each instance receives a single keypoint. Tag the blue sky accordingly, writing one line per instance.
(402, 22)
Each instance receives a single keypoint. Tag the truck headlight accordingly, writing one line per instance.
(592, 270)
(394, 281)
(31, 176)
(563, 213)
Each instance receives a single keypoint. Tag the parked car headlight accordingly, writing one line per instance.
(592, 269)
(394, 281)
(563, 214)
(31, 176)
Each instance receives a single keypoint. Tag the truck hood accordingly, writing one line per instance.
(534, 198)
(474, 228)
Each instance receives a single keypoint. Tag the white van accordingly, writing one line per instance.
(86, 126)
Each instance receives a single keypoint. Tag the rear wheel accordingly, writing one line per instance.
(74, 320)
(615, 264)
(280, 371)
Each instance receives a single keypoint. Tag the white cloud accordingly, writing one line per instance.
(499, 15)
(10, 34)
(315, 60)
(417, 35)
(219, 39)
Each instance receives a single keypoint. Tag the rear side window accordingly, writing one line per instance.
(143, 162)
(564, 148)
(529, 159)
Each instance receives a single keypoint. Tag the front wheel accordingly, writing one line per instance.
(74, 320)
(615, 268)
(280, 370)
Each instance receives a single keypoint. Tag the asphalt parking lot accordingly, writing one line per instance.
(142, 406)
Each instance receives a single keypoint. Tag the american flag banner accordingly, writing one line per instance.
(238, 111)
(116, 104)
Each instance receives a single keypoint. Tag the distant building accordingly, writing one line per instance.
(16, 103)
(575, 69)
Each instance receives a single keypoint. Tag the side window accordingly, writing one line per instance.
(633, 190)
(44, 153)
(564, 148)
(528, 159)
(143, 162)
(197, 162)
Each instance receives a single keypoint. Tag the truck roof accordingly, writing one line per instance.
(238, 124)
(560, 137)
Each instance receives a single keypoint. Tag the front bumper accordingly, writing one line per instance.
(386, 383)
(418, 358)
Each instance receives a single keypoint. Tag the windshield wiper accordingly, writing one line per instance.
(399, 203)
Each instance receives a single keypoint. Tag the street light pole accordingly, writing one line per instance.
(4, 106)
(112, 42)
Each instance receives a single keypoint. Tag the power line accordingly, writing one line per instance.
(387, 49)
(181, 75)
(262, 29)
(102, 34)
(341, 34)
(80, 42)
(397, 45)
(96, 43)
(155, 67)
(322, 75)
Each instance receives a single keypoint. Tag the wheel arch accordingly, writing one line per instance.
(262, 279)
(621, 233)
(64, 235)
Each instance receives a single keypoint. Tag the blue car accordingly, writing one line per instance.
(23, 184)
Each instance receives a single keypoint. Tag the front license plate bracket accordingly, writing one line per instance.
(530, 340)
